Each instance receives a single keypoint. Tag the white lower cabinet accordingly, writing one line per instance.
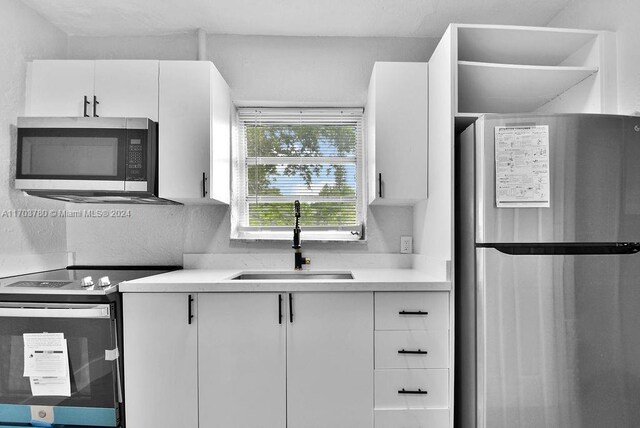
(160, 360)
(287, 360)
(242, 360)
(421, 418)
(249, 360)
(330, 361)
(412, 389)
(412, 360)
(412, 349)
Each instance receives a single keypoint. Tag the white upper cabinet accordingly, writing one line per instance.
(194, 133)
(396, 133)
(59, 88)
(106, 88)
(127, 89)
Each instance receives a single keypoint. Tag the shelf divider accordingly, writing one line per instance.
(511, 88)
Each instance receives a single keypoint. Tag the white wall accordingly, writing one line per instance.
(24, 36)
(271, 69)
(623, 17)
(260, 70)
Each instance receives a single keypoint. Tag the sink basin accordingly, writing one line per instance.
(303, 276)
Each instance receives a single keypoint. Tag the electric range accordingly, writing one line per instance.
(81, 303)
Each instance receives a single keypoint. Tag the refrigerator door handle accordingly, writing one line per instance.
(554, 249)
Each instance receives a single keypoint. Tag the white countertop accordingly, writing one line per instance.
(219, 280)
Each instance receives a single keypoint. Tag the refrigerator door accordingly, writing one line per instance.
(594, 182)
(558, 340)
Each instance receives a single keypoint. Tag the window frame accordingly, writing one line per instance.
(239, 190)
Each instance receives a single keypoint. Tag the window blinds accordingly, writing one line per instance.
(312, 155)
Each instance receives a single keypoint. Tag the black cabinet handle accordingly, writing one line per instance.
(190, 312)
(418, 352)
(279, 308)
(95, 106)
(291, 308)
(409, 391)
(380, 185)
(204, 184)
(413, 313)
(84, 107)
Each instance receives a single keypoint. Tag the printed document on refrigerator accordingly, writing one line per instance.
(522, 167)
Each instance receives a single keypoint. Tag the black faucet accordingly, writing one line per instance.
(299, 260)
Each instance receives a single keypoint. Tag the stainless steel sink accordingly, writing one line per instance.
(303, 276)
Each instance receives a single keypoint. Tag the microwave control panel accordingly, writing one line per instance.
(136, 160)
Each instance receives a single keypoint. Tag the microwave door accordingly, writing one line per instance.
(71, 159)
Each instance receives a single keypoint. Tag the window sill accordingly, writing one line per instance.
(307, 236)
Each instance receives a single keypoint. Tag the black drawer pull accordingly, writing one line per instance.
(413, 313)
(418, 352)
(419, 391)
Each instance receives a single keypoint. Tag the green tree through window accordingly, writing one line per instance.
(315, 163)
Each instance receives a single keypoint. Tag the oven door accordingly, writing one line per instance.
(71, 159)
(91, 334)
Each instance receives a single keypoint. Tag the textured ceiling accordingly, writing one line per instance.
(364, 18)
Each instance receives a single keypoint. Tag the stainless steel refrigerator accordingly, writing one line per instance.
(547, 275)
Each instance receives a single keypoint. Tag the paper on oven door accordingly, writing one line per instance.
(46, 363)
(48, 386)
(45, 354)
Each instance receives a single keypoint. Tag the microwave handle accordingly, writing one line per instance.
(50, 310)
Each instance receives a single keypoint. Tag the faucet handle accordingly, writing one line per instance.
(306, 261)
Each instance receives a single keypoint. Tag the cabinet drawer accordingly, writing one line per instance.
(390, 383)
(412, 311)
(430, 418)
(412, 349)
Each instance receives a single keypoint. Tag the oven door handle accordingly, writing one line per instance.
(52, 310)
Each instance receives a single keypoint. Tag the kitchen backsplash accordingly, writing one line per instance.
(161, 234)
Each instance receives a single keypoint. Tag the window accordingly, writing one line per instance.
(311, 155)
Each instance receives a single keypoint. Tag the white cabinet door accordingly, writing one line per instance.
(220, 167)
(160, 361)
(242, 361)
(122, 88)
(58, 88)
(397, 132)
(125, 88)
(330, 360)
(194, 133)
(184, 129)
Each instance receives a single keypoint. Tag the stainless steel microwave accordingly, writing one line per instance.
(89, 159)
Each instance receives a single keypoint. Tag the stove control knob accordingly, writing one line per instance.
(104, 282)
(87, 281)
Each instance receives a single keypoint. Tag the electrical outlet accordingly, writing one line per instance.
(406, 245)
